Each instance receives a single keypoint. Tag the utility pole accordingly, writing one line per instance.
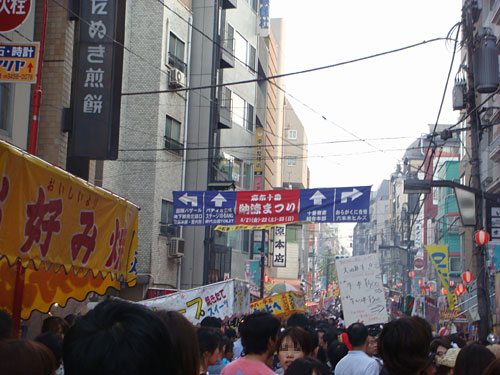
(477, 251)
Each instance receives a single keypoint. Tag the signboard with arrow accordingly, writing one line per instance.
(18, 62)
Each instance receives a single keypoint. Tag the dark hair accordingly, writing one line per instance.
(314, 338)
(70, 319)
(209, 339)
(307, 366)
(439, 341)
(229, 345)
(357, 334)
(298, 336)
(256, 330)
(19, 356)
(493, 368)
(231, 333)
(336, 351)
(186, 349)
(5, 325)
(298, 320)
(211, 321)
(118, 337)
(54, 342)
(55, 324)
(403, 344)
(457, 339)
(473, 359)
(331, 335)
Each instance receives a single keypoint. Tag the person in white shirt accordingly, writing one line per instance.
(357, 362)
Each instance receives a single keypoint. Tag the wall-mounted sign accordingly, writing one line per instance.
(18, 62)
(13, 13)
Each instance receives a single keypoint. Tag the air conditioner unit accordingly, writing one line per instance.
(175, 247)
(177, 79)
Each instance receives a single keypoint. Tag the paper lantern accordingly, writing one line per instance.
(461, 288)
(420, 282)
(482, 237)
(452, 283)
(443, 291)
(411, 274)
(467, 277)
(431, 287)
(457, 292)
(400, 284)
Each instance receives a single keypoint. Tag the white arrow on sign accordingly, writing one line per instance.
(218, 200)
(187, 198)
(317, 198)
(354, 194)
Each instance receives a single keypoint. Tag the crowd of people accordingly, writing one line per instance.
(121, 338)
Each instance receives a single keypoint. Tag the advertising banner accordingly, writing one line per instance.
(19, 62)
(439, 258)
(252, 275)
(361, 290)
(282, 304)
(222, 300)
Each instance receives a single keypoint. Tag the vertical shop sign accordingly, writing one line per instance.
(279, 246)
(98, 80)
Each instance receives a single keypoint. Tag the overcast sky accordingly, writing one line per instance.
(396, 95)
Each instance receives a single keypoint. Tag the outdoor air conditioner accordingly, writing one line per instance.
(175, 247)
(177, 78)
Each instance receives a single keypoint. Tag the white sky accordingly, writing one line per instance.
(390, 96)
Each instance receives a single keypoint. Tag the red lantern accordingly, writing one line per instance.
(443, 291)
(452, 283)
(411, 274)
(482, 237)
(457, 292)
(461, 288)
(467, 277)
(431, 287)
(420, 282)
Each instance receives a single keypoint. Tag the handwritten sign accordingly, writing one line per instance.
(222, 300)
(361, 290)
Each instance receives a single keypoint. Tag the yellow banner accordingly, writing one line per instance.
(50, 217)
(259, 151)
(230, 228)
(282, 304)
(19, 62)
(439, 257)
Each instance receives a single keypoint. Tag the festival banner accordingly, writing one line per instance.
(439, 257)
(361, 290)
(225, 299)
(283, 304)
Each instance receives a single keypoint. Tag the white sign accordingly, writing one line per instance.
(225, 299)
(279, 246)
(361, 290)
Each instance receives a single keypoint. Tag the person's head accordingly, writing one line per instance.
(456, 340)
(186, 350)
(18, 356)
(118, 337)
(55, 324)
(447, 362)
(54, 343)
(228, 348)
(371, 346)
(357, 334)
(314, 340)
(5, 325)
(440, 346)
(473, 359)
(403, 344)
(307, 366)
(493, 368)
(209, 341)
(211, 321)
(298, 320)
(293, 343)
(330, 335)
(258, 333)
(231, 333)
(336, 351)
(70, 319)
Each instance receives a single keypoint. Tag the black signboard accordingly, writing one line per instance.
(98, 80)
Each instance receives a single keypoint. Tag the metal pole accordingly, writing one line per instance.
(262, 262)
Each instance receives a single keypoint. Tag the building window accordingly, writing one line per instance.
(6, 93)
(249, 117)
(247, 176)
(292, 134)
(173, 136)
(251, 57)
(240, 48)
(228, 42)
(238, 110)
(176, 53)
(166, 219)
(455, 265)
(291, 161)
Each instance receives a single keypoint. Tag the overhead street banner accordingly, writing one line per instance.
(257, 209)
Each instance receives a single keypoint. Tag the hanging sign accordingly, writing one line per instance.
(439, 258)
(279, 246)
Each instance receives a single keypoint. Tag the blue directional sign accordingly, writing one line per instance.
(316, 205)
(219, 207)
(188, 208)
(352, 204)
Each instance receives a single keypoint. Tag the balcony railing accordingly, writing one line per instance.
(174, 146)
(177, 63)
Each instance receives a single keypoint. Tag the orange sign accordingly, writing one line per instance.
(282, 304)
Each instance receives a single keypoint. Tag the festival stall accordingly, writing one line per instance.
(224, 300)
(60, 236)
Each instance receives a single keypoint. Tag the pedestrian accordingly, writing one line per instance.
(446, 364)
(228, 350)
(55, 324)
(473, 359)
(357, 362)
(293, 343)
(307, 366)
(54, 342)
(25, 357)
(403, 345)
(186, 350)
(209, 340)
(336, 351)
(259, 333)
(493, 368)
(119, 338)
(5, 325)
